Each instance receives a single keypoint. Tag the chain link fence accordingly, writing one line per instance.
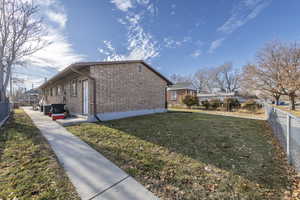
(5, 109)
(286, 128)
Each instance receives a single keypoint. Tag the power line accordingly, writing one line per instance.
(29, 74)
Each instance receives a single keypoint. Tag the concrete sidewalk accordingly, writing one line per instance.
(93, 176)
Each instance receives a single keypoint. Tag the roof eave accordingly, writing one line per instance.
(88, 64)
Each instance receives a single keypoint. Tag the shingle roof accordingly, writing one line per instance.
(182, 85)
(218, 94)
(80, 65)
(33, 91)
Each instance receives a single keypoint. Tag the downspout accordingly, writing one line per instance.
(94, 91)
(166, 97)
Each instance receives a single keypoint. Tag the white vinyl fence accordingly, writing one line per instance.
(286, 128)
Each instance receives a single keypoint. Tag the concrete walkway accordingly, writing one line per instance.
(93, 176)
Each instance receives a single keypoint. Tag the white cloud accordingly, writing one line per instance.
(152, 9)
(58, 54)
(55, 56)
(242, 13)
(196, 53)
(123, 5)
(215, 44)
(141, 45)
(58, 17)
(46, 2)
(133, 19)
(173, 6)
(187, 39)
(171, 43)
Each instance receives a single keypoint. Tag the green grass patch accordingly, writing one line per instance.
(28, 167)
(194, 155)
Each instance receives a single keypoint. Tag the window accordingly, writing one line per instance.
(173, 95)
(51, 91)
(74, 88)
(58, 90)
(63, 90)
(140, 68)
(55, 91)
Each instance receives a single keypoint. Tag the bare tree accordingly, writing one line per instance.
(176, 78)
(201, 79)
(277, 71)
(261, 78)
(290, 71)
(21, 32)
(227, 78)
(224, 77)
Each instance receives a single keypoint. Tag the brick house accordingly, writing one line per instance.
(178, 91)
(203, 96)
(108, 90)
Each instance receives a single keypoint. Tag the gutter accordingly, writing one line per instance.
(94, 91)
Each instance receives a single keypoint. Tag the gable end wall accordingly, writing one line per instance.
(128, 87)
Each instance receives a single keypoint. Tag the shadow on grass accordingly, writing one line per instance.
(240, 146)
(20, 129)
(29, 164)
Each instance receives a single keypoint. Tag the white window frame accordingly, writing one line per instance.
(59, 91)
(73, 88)
(173, 95)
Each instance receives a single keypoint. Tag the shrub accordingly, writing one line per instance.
(190, 101)
(215, 103)
(250, 105)
(205, 103)
(231, 103)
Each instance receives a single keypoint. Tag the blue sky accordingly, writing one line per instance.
(175, 36)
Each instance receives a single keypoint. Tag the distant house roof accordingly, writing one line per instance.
(182, 86)
(219, 94)
(34, 91)
(81, 65)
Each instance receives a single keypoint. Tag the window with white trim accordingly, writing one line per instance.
(59, 91)
(74, 88)
(173, 95)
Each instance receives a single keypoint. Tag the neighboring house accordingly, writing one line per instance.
(29, 97)
(108, 90)
(178, 91)
(202, 96)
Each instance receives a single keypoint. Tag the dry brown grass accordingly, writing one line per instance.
(191, 156)
(28, 166)
(259, 114)
(286, 108)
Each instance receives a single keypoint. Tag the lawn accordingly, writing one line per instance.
(28, 167)
(194, 155)
(259, 114)
(287, 109)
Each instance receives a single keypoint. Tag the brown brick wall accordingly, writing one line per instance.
(180, 96)
(119, 88)
(74, 103)
(128, 87)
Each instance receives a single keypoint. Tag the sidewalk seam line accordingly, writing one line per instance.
(113, 185)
